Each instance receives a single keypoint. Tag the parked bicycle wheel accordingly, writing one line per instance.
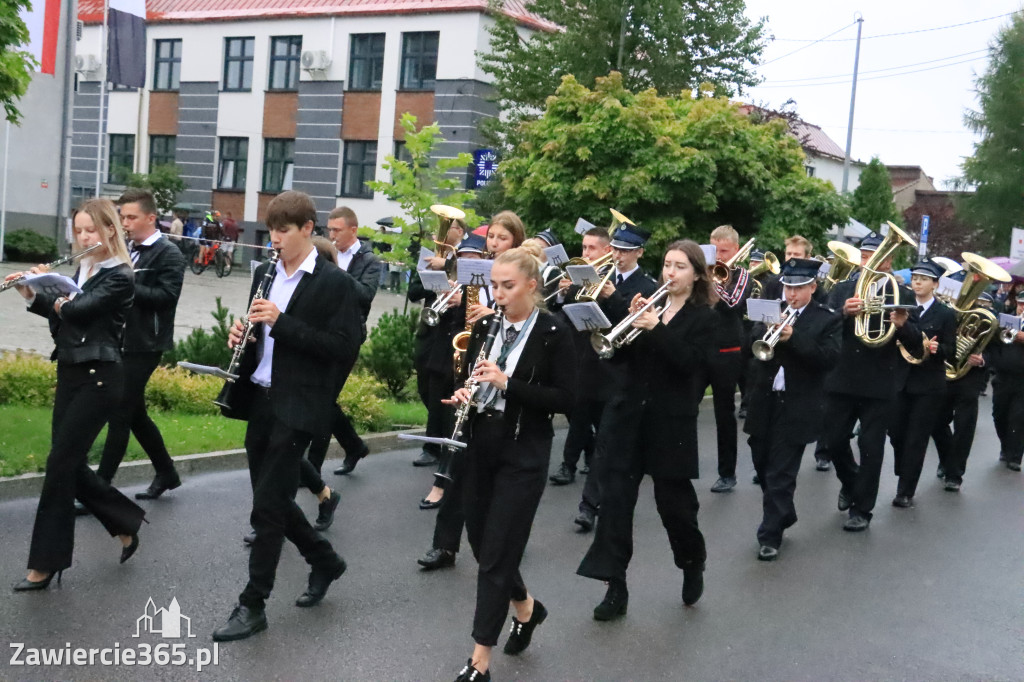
(222, 263)
(197, 264)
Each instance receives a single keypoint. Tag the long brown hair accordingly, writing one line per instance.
(511, 222)
(703, 292)
(104, 214)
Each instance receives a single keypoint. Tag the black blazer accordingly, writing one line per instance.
(871, 372)
(807, 357)
(930, 376)
(316, 340)
(659, 394)
(91, 325)
(1007, 359)
(595, 377)
(544, 381)
(159, 273)
(365, 270)
(616, 306)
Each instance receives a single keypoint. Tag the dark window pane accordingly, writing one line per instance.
(419, 60)
(121, 158)
(238, 63)
(234, 153)
(167, 69)
(359, 166)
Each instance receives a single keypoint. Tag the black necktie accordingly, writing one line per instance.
(618, 280)
(511, 334)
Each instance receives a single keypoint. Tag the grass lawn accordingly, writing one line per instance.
(25, 437)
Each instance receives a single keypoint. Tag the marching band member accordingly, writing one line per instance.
(529, 375)
(919, 402)
(863, 385)
(786, 396)
(1007, 359)
(549, 273)
(724, 364)
(87, 329)
(505, 232)
(650, 427)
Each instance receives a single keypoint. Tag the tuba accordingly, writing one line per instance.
(975, 326)
(872, 325)
(769, 264)
(446, 216)
(844, 263)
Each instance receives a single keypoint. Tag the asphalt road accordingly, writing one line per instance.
(930, 593)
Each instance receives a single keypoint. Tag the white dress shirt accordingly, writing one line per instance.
(524, 327)
(148, 241)
(779, 384)
(345, 257)
(281, 292)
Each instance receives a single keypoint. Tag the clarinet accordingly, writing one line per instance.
(473, 386)
(4, 286)
(224, 399)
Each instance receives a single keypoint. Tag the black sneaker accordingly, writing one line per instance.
(325, 517)
(564, 476)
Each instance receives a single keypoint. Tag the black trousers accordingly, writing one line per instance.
(860, 483)
(342, 429)
(954, 428)
(504, 481)
(777, 463)
(584, 421)
(612, 548)
(274, 451)
(433, 387)
(85, 394)
(722, 373)
(131, 417)
(1008, 415)
(590, 499)
(915, 419)
(451, 515)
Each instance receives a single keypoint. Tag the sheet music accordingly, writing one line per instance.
(52, 283)
(206, 369)
(435, 280)
(583, 275)
(431, 439)
(710, 253)
(474, 272)
(582, 226)
(556, 254)
(587, 317)
(824, 270)
(425, 256)
(949, 287)
(1010, 322)
(760, 310)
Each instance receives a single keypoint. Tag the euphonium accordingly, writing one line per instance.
(624, 333)
(446, 216)
(721, 272)
(844, 263)
(975, 326)
(872, 325)
(769, 264)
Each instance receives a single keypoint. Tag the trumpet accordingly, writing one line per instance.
(764, 348)
(721, 272)
(4, 286)
(604, 265)
(431, 315)
(1008, 334)
(624, 333)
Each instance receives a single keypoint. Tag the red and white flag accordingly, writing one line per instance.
(43, 22)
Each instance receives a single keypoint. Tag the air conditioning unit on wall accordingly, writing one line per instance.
(315, 60)
(86, 63)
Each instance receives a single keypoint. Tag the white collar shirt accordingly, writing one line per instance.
(281, 292)
(524, 327)
(621, 276)
(779, 384)
(345, 257)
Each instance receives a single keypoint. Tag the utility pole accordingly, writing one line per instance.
(849, 126)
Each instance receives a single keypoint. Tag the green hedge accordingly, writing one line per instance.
(26, 246)
(28, 380)
(388, 353)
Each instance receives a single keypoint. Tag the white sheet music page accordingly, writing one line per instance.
(435, 280)
(587, 317)
(474, 272)
(760, 310)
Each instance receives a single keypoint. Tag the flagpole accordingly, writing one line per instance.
(3, 201)
(105, 51)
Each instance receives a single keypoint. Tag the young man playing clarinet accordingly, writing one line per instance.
(287, 383)
(786, 396)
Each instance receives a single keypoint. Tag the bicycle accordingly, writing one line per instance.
(214, 256)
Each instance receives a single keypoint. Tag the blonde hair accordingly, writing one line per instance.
(797, 240)
(725, 233)
(325, 247)
(528, 264)
(104, 214)
(534, 249)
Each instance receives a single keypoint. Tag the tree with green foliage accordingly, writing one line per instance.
(872, 200)
(418, 184)
(678, 165)
(996, 168)
(670, 46)
(164, 182)
(16, 65)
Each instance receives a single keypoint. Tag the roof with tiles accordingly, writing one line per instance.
(177, 11)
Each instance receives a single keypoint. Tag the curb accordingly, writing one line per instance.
(141, 471)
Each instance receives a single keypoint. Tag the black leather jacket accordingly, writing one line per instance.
(158, 276)
(91, 325)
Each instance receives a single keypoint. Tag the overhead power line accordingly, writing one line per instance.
(804, 47)
(811, 41)
(869, 78)
(888, 68)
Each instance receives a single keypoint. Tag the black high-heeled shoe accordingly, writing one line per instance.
(127, 552)
(27, 585)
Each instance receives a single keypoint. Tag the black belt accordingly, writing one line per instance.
(262, 391)
(491, 413)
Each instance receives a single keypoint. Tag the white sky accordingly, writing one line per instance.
(913, 119)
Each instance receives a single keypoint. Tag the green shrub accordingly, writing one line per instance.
(203, 347)
(363, 402)
(174, 389)
(27, 246)
(28, 380)
(388, 354)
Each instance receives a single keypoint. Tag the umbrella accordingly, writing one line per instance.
(482, 230)
(903, 274)
(1002, 261)
(1016, 270)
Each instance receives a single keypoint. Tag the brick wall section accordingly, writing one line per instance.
(84, 139)
(317, 131)
(459, 108)
(228, 201)
(419, 104)
(279, 109)
(163, 113)
(263, 200)
(360, 116)
(196, 146)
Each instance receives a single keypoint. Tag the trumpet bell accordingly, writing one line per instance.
(762, 350)
(430, 317)
(602, 346)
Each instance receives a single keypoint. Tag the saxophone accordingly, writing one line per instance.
(461, 340)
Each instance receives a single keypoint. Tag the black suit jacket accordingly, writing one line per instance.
(365, 270)
(806, 358)
(660, 366)
(939, 321)
(159, 273)
(1007, 359)
(316, 340)
(616, 306)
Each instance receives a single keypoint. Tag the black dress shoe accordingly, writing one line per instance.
(425, 459)
(249, 538)
(585, 521)
(693, 584)
(755, 479)
(615, 601)
(319, 580)
(521, 633)
(427, 504)
(767, 553)
(843, 503)
(903, 501)
(80, 509)
(724, 484)
(325, 517)
(951, 485)
(856, 524)
(159, 486)
(822, 464)
(585, 469)
(243, 622)
(1013, 466)
(437, 558)
(564, 476)
(27, 585)
(471, 674)
(127, 552)
(350, 462)
(1003, 457)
